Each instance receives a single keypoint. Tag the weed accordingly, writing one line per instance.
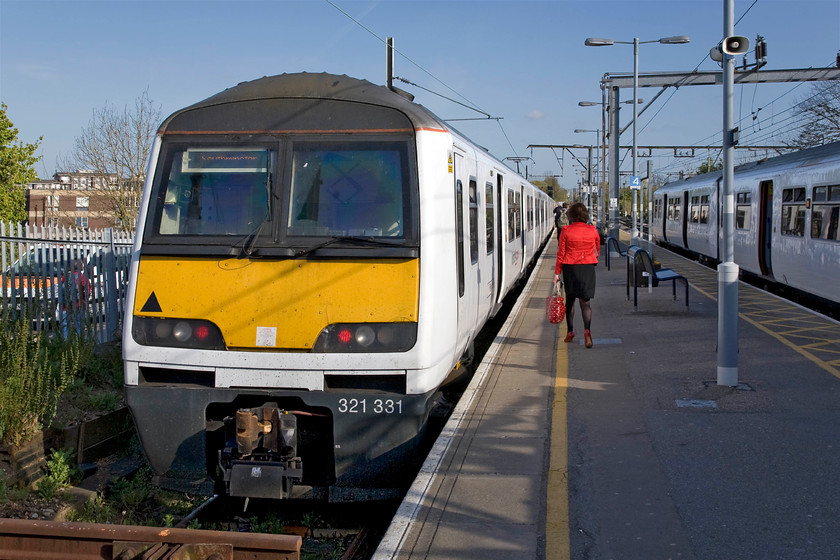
(35, 370)
(311, 519)
(271, 524)
(4, 490)
(95, 510)
(62, 468)
(48, 487)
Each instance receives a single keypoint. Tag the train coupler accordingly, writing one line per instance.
(260, 458)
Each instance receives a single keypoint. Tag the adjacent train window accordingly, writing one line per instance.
(473, 221)
(793, 211)
(704, 209)
(825, 213)
(489, 220)
(743, 210)
(657, 209)
(674, 209)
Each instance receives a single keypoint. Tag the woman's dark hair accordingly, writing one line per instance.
(577, 212)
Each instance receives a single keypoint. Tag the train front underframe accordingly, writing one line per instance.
(336, 446)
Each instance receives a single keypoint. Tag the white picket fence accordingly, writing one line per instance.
(65, 278)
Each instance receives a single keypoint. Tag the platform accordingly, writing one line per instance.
(630, 449)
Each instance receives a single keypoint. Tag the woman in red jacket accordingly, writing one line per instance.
(577, 255)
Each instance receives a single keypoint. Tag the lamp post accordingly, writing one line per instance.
(591, 174)
(603, 200)
(596, 42)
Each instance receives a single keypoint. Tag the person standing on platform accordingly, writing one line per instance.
(561, 219)
(577, 255)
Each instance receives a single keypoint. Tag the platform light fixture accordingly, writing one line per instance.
(599, 42)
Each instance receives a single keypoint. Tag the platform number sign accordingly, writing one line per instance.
(635, 183)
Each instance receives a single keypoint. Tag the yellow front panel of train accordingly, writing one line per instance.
(297, 298)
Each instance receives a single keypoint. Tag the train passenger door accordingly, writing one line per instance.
(466, 239)
(765, 226)
(490, 244)
(523, 216)
(684, 216)
(500, 245)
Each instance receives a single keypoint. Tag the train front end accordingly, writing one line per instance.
(273, 307)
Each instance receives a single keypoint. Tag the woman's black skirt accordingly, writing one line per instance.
(579, 280)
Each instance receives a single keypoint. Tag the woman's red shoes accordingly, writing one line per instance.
(570, 336)
(587, 337)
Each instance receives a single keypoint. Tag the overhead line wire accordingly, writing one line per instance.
(471, 105)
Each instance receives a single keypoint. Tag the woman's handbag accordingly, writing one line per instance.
(555, 304)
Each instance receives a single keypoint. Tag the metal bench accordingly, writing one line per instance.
(613, 242)
(643, 266)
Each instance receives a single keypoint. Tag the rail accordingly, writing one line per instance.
(22, 539)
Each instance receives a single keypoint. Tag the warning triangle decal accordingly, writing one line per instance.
(151, 305)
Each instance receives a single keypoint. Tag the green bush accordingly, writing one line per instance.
(35, 369)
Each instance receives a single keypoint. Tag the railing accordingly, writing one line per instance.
(65, 278)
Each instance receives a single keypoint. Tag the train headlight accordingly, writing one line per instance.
(177, 333)
(182, 331)
(366, 337)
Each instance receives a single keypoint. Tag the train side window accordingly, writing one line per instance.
(459, 234)
(473, 221)
(695, 210)
(743, 210)
(510, 215)
(704, 209)
(674, 210)
(793, 211)
(489, 216)
(825, 213)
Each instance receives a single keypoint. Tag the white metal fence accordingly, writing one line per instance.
(65, 278)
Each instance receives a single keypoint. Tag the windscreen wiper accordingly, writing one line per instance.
(251, 240)
(349, 239)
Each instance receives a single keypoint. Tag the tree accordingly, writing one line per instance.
(118, 143)
(821, 116)
(17, 161)
(708, 166)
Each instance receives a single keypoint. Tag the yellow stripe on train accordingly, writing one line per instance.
(298, 298)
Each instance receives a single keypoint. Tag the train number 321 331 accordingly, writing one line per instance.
(374, 406)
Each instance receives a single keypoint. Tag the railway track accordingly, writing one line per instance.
(22, 539)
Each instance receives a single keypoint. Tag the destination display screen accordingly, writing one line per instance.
(211, 160)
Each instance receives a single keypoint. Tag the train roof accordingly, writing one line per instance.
(800, 158)
(306, 86)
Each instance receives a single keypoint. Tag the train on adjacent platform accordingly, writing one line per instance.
(315, 256)
(787, 213)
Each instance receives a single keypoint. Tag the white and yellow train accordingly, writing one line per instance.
(315, 256)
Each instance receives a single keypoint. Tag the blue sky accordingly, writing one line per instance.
(524, 61)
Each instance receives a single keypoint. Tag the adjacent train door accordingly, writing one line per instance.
(765, 226)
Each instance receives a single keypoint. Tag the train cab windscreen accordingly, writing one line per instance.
(278, 199)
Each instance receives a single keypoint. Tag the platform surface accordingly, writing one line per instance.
(630, 449)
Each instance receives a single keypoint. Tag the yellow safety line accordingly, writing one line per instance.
(823, 364)
(557, 539)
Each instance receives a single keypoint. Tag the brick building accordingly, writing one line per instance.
(82, 199)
